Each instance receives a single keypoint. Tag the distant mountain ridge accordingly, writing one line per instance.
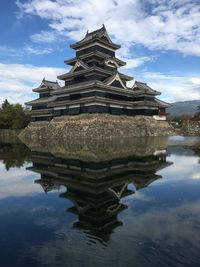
(184, 107)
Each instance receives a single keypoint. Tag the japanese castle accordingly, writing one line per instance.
(96, 188)
(94, 84)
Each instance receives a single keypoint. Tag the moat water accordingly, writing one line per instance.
(134, 203)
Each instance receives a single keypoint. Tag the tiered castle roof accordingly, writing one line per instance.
(98, 36)
(96, 188)
(95, 85)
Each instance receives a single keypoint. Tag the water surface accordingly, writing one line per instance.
(126, 203)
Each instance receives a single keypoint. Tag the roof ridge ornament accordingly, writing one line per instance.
(100, 35)
(79, 63)
(111, 62)
(116, 77)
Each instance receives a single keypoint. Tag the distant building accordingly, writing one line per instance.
(95, 85)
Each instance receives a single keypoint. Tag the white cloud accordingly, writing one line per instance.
(195, 80)
(18, 80)
(24, 51)
(44, 37)
(196, 176)
(16, 183)
(166, 25)
(173, 87)
(136, 62)
(180, 170)
(36, 51)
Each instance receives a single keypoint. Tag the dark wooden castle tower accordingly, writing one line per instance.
(95, 85)
(97, 188)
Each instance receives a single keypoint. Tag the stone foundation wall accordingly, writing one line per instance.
(95, 126)
(191, 128)
(9, 135)
(100, 150)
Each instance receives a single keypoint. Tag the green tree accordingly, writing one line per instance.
(196, 116)
(12, 116)
(14, 155)
(5, 104)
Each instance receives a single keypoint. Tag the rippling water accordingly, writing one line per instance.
(117, 203)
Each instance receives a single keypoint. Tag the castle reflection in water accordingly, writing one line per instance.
(96, 183)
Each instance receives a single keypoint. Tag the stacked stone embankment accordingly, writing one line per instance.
(96, 126)
(191, 128)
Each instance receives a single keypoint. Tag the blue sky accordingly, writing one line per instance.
(160, 40)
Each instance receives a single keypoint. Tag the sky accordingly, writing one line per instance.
(160, 41)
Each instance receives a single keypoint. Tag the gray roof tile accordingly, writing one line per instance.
(144, 87)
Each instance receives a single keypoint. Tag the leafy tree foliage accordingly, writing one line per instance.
(196, 116)
(5, 104)
(12, 116)
(180, 119)
(13, 155)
